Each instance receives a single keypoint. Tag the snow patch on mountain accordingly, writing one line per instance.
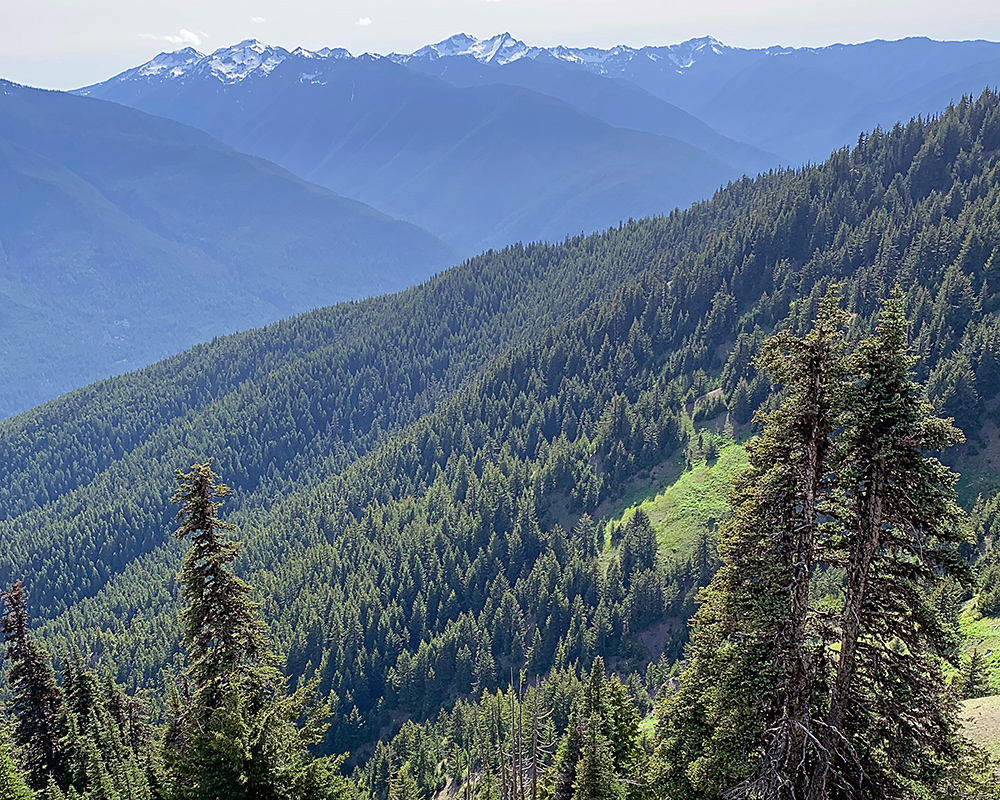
(323, 53)
(234, 64)
(174, 64)
(500, 49)
(229, 65)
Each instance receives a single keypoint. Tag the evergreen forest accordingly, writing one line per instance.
(430, 544)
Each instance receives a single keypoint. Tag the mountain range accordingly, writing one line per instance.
(798, 103)
(478, 142)
(479, 166)
(126, 237)
(794, 104)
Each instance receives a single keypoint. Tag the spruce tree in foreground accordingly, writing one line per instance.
(742, 717)
(36, 701)
(782, 698)
(235, 732)
(891, 726)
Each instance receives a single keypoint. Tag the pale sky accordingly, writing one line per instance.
(63, 44)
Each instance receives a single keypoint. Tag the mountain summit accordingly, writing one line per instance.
(228, 65)
(500, 49)
(505, 49)
(251, 57)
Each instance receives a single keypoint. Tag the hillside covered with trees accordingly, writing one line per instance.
(419, 483)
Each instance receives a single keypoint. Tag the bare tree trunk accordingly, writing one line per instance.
(859, 571)
(505, 793)
(534, 747)
(468, 767)
(790, 748)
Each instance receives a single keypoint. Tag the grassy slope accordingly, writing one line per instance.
(983, 634)
(681, 506)
(981, 721)
(697, 500)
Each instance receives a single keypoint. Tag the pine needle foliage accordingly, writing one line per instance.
(36, 700)
(12, 785)
(785, 697)
(236, 732)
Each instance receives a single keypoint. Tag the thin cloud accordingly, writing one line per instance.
(258, 20)
(364, 22)
(183, 36)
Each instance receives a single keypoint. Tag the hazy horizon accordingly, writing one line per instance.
(58, 44)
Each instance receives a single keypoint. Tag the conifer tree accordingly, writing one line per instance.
(238, 733)
(595, 772)
(973, 682)
(638, 548)
(784, 700)
(36, 700)
(12, 785)
(104, 754)
(404, 786)
(741, 720)
(567, 758)
(223, 633)
(891, 723)
(624, 724)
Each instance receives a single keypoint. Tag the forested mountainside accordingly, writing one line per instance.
(417, 476)
(478, 166)
(106, 211)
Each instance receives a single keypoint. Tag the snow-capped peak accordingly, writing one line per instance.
(325, 52)
(686, 53)
(233, 64)
(590, 55)
(504, 48)
(456, 45)
(173, 64)
(500, 49)
(230, 65)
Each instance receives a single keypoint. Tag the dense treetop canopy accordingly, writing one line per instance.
(414, 475)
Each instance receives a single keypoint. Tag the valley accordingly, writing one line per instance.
(484, 430)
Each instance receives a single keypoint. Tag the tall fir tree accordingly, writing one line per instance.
(891, 727)
(741, 722)
(235, 732)
(36, 701)
(224, 636)
(786, 700)
(595, 772)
